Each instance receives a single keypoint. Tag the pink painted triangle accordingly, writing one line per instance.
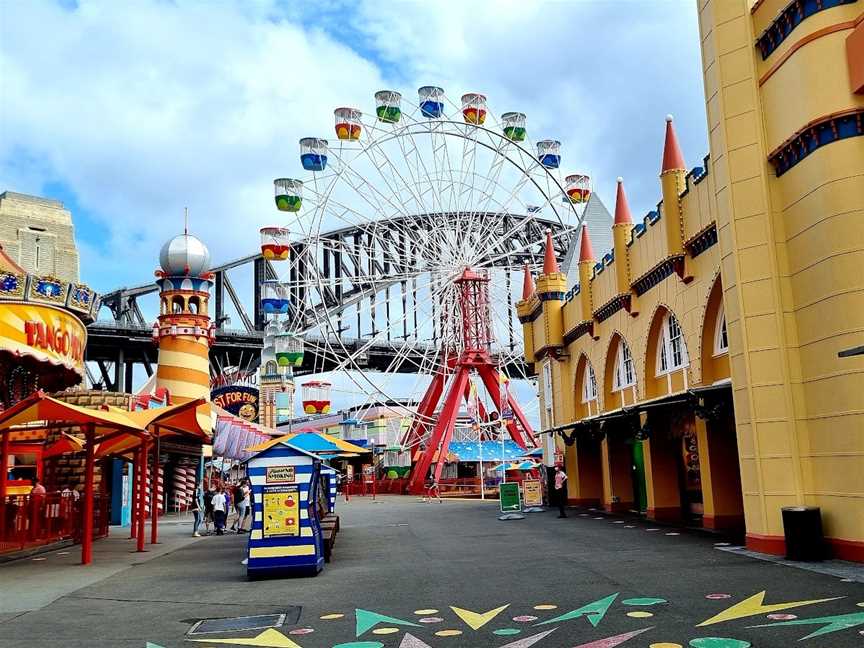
(410, 641)
(609, 642)
(529, 641)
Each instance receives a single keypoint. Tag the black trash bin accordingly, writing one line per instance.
(802, 526)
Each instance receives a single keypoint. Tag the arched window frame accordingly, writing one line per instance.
(721, 335)
(671, 347)
(589, 384)
(625, 372)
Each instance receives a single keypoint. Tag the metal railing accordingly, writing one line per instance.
(28, 521)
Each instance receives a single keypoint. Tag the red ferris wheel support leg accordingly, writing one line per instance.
(442, 432)
(425, 411)
(447, 422)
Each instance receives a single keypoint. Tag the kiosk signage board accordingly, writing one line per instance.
(281, 511)
(280, 475)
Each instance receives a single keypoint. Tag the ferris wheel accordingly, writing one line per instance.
(379, 225)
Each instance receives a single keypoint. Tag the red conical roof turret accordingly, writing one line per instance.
(550, 263)
(586, 252)
(622, 209)
(672, 158)
(527, 284)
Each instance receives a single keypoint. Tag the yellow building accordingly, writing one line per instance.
(693, 372)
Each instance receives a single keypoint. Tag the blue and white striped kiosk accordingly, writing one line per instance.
(291, 495)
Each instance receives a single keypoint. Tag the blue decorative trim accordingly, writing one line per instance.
(815, 135)
(792, 15)
(655, 275)
(548, 296)
(702, 241)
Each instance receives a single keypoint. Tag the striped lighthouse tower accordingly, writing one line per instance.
(184, 331)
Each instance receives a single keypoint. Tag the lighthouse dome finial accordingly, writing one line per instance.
(184, 254)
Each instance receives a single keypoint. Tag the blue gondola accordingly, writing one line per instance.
(431, 101)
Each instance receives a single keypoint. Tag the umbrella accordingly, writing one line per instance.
(66, 443)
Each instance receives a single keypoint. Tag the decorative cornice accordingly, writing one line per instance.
(658, 273)
(702, 240)
(788, 19)
(578, 331)
(607, 310)
(814, 135)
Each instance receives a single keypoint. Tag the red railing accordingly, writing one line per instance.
(31, 520)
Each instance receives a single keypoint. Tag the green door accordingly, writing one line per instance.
(640, 496)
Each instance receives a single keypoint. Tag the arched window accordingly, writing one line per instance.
(177, 305)
(194, 305)
(270, 368)
(671, 350)
(625, 375)
(589, 384)
(721, 339)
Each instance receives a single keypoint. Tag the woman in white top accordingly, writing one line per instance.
(245, 507)
(220, 510)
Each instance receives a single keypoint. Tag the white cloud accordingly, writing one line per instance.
(144, 112)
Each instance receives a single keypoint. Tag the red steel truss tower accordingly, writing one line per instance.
(455, 374)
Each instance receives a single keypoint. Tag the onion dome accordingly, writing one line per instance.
(184, 255)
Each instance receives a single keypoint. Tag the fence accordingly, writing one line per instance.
(31, 520)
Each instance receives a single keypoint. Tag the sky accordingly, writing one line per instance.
(130, 111)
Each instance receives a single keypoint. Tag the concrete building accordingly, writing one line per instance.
(694, 371)
(38, 235)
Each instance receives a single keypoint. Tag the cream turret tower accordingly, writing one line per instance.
(184, 331)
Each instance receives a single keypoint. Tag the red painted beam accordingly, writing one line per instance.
(142, 494)
(154, 494)
(87, 532)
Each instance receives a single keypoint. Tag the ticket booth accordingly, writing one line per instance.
(290, 497)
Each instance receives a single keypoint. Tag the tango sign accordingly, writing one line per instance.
(43, 332)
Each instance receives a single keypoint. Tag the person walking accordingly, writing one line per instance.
(236, 499)
(197, 509)
(560, 488)
(245, 506)
(208, 508)
(220, 510)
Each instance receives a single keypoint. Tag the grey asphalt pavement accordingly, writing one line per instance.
(400, 568)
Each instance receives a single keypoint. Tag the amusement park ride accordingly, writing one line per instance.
(480, 192)
(395, 262)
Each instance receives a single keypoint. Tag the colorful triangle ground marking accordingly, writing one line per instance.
(829, 623)
(526, 642)
(754, 605)
(609, 642)
(477, 620)
(595, 611)
(270, 638)
(367, 620)
(152, 645)
(410, 641)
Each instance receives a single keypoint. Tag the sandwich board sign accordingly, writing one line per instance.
(532, 492)
(510, 501)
